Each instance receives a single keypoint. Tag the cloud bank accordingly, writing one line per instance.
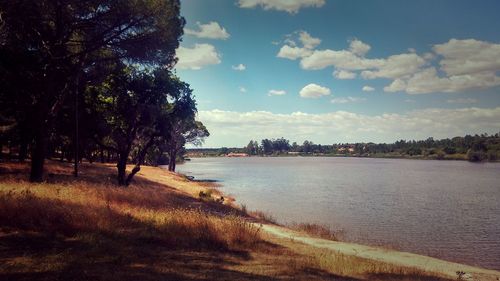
(454, 66)
(230, 128)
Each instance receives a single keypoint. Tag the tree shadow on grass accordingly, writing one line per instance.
(77, 242)
(101, 257)
(102, 178)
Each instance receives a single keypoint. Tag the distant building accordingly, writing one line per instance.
(232, 154)
(344, 149)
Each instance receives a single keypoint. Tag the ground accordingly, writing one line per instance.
(156, 229)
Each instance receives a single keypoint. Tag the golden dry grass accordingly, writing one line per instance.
(316, 230)
(155, 229)
(351, 266)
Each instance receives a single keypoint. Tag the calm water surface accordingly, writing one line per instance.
(445, 209)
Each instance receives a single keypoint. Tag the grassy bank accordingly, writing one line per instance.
(156, 229)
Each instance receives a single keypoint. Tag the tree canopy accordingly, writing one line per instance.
(93, 77)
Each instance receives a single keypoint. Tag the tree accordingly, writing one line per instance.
(307, 146)
(281, 145)
(252, 148)
(267, 146)
(185, 131)
(133, 109)
(182, 128)
(47, 45)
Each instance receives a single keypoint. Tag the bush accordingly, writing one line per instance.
(449, 150)
(476, 155)
(440, 155)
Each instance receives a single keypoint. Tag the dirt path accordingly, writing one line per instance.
(389, 256)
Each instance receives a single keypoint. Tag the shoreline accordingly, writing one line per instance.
(155, 184)
(401, 258)
(378, 253)
(350, 156)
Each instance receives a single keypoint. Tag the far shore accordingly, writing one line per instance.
(458, 157)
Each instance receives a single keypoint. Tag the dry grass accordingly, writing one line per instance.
(90, 229)
(76, 208)
(316, 230)
(351, 266)
(262, 216)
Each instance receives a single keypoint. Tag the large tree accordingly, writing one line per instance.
(47, 46)
(184, 128)
(132, 109)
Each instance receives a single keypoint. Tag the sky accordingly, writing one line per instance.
(342, 71)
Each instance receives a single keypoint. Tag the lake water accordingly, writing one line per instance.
(445, 209)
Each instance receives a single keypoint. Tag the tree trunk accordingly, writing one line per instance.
(135, 170)
(101, 152)
(1, 149)
(122, 167)
(140, 160)
(171, 160)
(23, 150)
(61, 157)
(38, 156)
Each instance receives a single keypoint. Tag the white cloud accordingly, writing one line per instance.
(314, 91)
(468, 56)
(464, 65)
(396, 86)
(344, 74)
(308, 41)
(243, 89)
(293, 53)
(368, 89)
(358, 47)
(462, 100)
(343, 100)
(211, 30)
(342, 59)
(239, 67)
(427, 81)
(289, 41)
(290, 6)
(229, 128)
(276, 93)
(395, 67)
(197, 57)
(429, 56)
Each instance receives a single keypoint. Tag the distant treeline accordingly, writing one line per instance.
(473, 148)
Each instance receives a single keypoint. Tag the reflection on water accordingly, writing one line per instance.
(446, 209)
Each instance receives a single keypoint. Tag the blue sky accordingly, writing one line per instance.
(342, 71)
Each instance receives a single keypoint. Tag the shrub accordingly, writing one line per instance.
(476, 155)
(316, 230)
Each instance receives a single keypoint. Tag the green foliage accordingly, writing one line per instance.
(450, 150)
(482, 147)
(105, 63)
(476, 155)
